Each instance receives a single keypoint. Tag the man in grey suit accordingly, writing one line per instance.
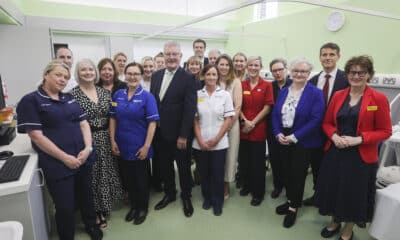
(175, 92)
(330, 80)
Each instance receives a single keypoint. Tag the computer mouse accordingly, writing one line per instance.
(6, 154)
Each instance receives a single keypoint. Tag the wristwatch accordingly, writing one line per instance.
(90, 148)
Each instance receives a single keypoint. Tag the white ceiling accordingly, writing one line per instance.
(179, 7)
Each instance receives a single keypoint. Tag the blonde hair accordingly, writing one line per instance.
(147, 58)
(119, 54)
(194, 59)
(91, 63)
(53, 64)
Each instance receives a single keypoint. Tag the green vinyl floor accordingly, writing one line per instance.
(239, 221)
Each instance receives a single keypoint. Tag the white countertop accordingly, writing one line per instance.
(21, 145)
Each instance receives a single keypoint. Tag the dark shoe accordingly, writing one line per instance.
(164, 202)
(140, 217)
(282, 209)
(276, 192)
(244, 192)
(309, 201)
(217, 211)
(325, 233)
(187, 207)
(95, 233)
(130, 215)
(351, 237)
(256, 201)
(207, 205)
(290, 219)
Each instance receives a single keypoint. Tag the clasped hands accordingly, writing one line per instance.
(284, 140)
(75, 162)
(247, 126)
(346, 141)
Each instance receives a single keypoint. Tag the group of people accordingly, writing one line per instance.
(121, 126)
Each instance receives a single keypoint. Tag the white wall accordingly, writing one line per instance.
(25, 50)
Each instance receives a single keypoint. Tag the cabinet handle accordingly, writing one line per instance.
(41, 174)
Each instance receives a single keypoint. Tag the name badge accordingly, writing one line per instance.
(114, 104)
(200, 100)
(372, 108)
(246, 92)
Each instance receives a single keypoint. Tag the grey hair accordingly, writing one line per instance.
(86, 60)
(172, 44)
(300, 60)
(215, 51)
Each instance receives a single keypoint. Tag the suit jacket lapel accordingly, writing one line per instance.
(173, 81)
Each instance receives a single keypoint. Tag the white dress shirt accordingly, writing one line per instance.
(321, 81)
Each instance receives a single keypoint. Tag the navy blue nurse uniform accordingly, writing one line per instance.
(132, 119)
(59, 120)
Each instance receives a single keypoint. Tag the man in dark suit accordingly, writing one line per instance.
(199, 48)
(330, 80)
(175, 93)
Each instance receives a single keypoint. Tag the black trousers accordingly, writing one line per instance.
(65, 192)
(136, 174)
(252, 167)
(295, 159)
(316, 155)
(155, 165)
(168, 152)
(212, 171)
(276, 164)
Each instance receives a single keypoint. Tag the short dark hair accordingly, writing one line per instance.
(277, 60)
(200, 41)
(364, 61)
(134, 64)
(330, 45)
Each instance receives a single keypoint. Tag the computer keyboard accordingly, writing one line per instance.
(12, 168)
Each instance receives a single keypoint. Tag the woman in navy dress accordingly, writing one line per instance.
(356, 121)
(132, 125)
(61, 136)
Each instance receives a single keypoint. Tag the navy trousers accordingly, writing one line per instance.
(63, 193)
(212, 172)
(136, 174)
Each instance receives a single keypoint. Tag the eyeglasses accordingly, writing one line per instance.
(129, 74)
(302, 72)
(277, 70)
(172, 54)
(359, 73)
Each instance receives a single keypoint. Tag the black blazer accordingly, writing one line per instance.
(339, 84)
(178, 107)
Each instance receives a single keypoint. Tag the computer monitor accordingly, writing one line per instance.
(2, 101)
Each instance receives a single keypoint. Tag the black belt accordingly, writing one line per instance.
(95, 129)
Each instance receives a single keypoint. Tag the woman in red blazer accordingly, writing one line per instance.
(356, 121)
